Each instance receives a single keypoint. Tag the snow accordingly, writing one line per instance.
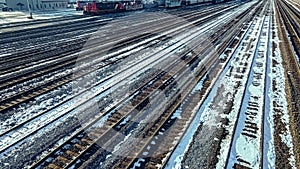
(230, 83)
(125, 120)
(56, 60)
(66, 107)
(177, 113)
(4, 55)
(183, 145)
(22, 16)
(243, 144)
(192, 36)
(249, 150)
(269, 149)
(145, 153)
(293, 4)
(120, 74)
(277, 74)
(137, 163)
(108, 156)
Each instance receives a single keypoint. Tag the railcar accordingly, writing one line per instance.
(80, 5)
(178, 3)
(218, 1)
(173, 3)
(97, 8)
(191, 2)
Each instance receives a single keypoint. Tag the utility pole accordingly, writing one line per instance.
(30, 12)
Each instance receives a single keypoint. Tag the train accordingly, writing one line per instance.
(80, 4)
(178, 3)
(97, 8)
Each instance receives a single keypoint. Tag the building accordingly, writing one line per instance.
(36, 4)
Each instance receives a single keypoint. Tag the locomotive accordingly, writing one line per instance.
(97, 8)
(80, 4)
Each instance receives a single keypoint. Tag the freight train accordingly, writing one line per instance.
(80, 4)
(178, 3)
(97, 8)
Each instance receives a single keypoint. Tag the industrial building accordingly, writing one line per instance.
(36, 4)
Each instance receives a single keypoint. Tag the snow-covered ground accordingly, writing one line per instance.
(133, 48)
(66, 107)
(22, 16)
(10, 17)
(277, 79)
(154, 58)
(294, 3)
(151, 118)
(203, 116)
(247, 138)
(239, 75)
(193, 34)
(268, 142)
(241, 60)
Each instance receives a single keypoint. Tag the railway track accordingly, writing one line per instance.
(289, 47)
(27, 120)
(30, 51)
(105, 46)
(139, 99)
(267, 121)
(78, 25)
(161, 151)
(62, 160)
(136, 20)
(102, 81)
(31, 45)
(249, 128)
(212, 143)
(165, 146)
(23, 56)
(20, 25)
(63, 82)
(238, 71)
(79, 144)
(291, 18)
(127, 109)
(208, 137)
(296, 5)
(61, 28)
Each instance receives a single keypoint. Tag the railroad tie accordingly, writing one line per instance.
(93, 135)
(88, 141)
(150, 165)
(62, 159)
(53, 166)
(80, 147)
(72, 153)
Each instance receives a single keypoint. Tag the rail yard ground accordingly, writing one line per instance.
(9, 17)
(204, 86)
